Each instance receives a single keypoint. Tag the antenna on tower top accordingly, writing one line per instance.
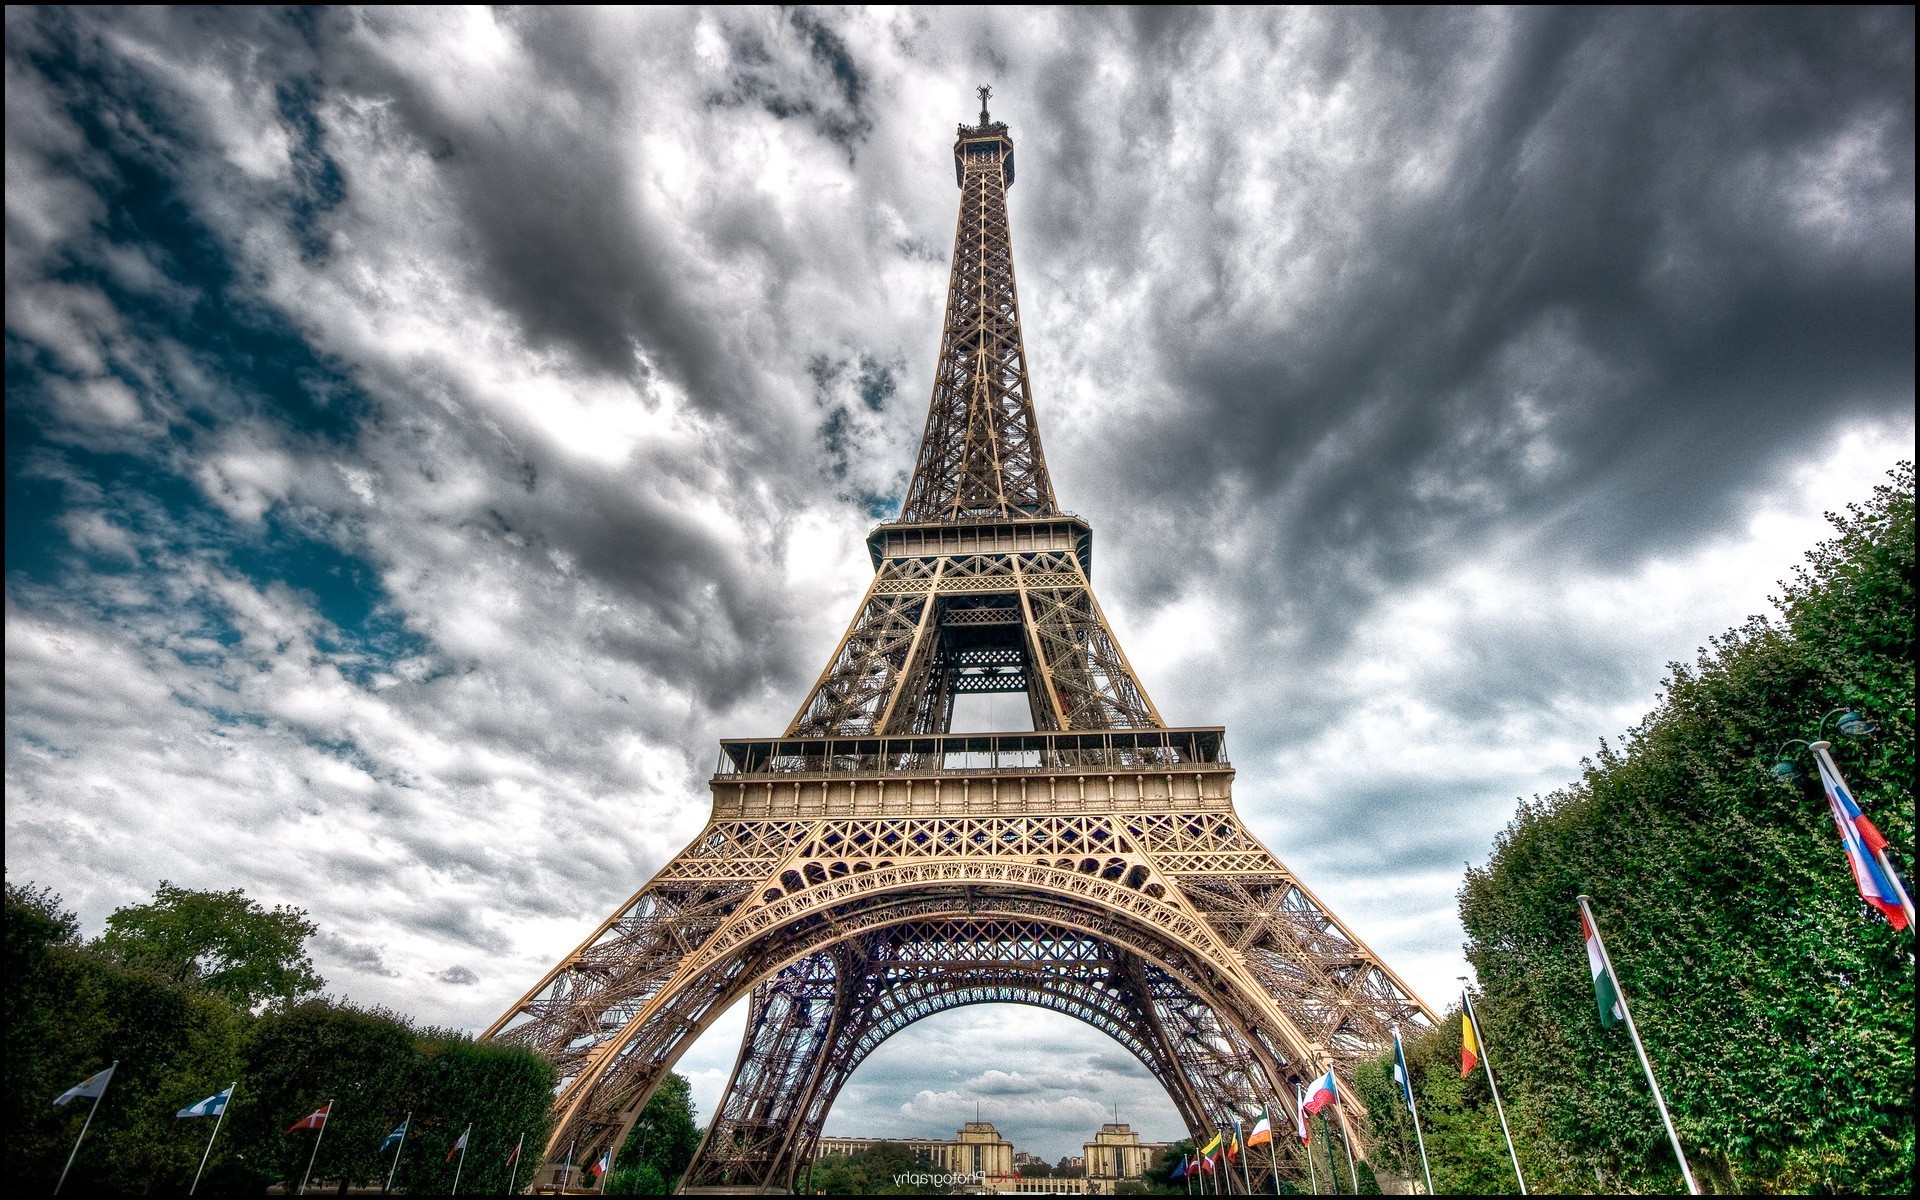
(985, 91)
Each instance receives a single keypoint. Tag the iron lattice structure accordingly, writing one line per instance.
(868, 868)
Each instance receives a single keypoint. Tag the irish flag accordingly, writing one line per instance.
(1262, 1130)
(1606, 994)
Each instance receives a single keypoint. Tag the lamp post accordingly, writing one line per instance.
(1852, 725)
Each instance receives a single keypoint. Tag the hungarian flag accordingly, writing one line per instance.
(1606, 993)
(317, 1119)
(1262, 1130)
(459, 1145)
(1469, 1045)
(212, 1106)
(1861, 840)
(1322, 1093)
(91, 1088)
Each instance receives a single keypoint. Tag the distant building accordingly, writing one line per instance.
(1117, 1153)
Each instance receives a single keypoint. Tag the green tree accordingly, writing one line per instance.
(220, 941)
(1778, 1014)
(296, 1059)
(503, 1093)
(660, 1144)
(873, 1172)
(70, 1012)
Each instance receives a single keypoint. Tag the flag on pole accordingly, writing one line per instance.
(1401, 1075)
(1300, 1112)
(1862, 840)
(1211, 1146)
(459, 1145)
(1262, 1130)
(1206, 1163)
(1233, 1144)
(212, 1106)
(91, 1088)
(399, 1131)
(1606, 993)
(1180, 1171)
(601, 1164)
(1469, 1045)
(317, 1119)
(1322, 1093)
(513, 1153)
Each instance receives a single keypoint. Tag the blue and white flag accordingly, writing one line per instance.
(399, 1132)
(212, 1106)
(91, 1088)
(1401, 1075)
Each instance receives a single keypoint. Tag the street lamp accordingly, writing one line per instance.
(1851, 726)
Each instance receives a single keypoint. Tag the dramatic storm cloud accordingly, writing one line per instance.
(428, 432)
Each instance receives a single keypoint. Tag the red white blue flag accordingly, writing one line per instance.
(1861, 839)
(1322, 1093)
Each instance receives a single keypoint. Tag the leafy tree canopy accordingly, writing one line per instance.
(221, 941)
(660, 1144)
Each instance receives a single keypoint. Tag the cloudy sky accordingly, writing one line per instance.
(428, 432)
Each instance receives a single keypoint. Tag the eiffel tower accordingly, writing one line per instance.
(868, 868)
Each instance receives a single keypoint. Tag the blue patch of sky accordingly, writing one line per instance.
(262, 370)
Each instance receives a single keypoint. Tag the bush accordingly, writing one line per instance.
(1778, 1015)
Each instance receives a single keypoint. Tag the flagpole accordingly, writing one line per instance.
(462, 1164)
(1899, 889)
(1413, 1106)
(1273, 1150)
(1306, 1123)
(1346, 1143)
(1333, 1166)
(328, 1108)
(1626, 1011)
(1486, 1060)
(216, 1133)
(515, 1173)
(566, 1172)
(83, 1126)
(1244, 1177)
(392, 1174)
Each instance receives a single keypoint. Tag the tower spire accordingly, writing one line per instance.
(980, 457)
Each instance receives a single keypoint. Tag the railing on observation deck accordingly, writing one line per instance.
(977, 753)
